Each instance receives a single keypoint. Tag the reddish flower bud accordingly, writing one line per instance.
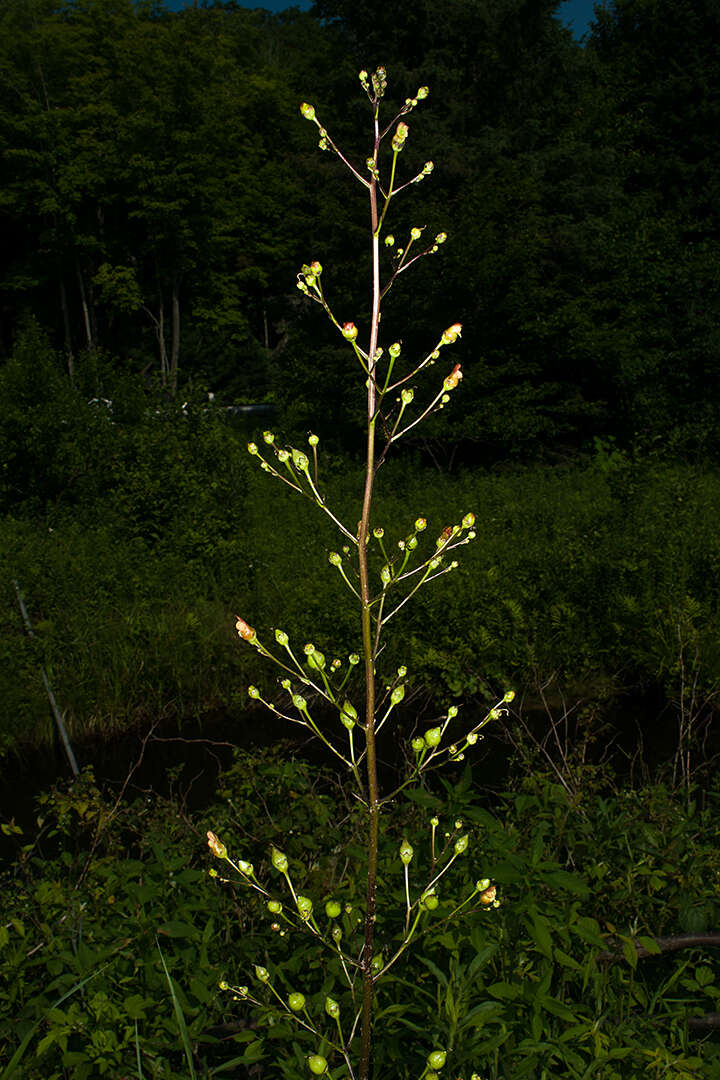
(349, 331)
(452, 334)
(245, 631)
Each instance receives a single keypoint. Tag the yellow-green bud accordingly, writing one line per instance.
(332, 1008)
(422, 93)
(262, 973)
(279, 860)
(333, 909)
(216, 846)
(461, 844)
(406, 852)
(317, 1064)
(305, 906)
(398, 694)
(420, 524)
(274, 907)
(307, 110)
(281, 637)
(433, 736)
(415, 233)
(296, 1001)
(437, 1059)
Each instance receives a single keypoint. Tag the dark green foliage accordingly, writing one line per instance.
(532, 989)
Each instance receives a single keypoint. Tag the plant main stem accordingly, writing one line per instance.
(369, 648)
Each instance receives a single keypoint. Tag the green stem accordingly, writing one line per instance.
(368, 650)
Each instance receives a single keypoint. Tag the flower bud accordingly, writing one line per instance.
(453, 378)
(349, 331)
(286, 684)
(316, 268)
(268, 437)
(348, 715)
(317, 1064)
(307, 110)
(332, 1008)
(252, 448)
(509, 696)
(415, 233)
(313, 440)
(222, 985)
(437, 1059)
(389, 240)
(316, 660)
(353, 659)
(418, 745)
(216, 846)
(420, 524)
(433, 736)
(461, 844)
(422, 93)
(336, 934)
(406, 396)
(487, 896)
(468, 521)
(472, 738)
(333, 909)
(300, 460)
(304, 906)
(441, 238)
(406, 852)
(253, 692)
(244, 631)
(395, 350)
(434, 821)
(281, 637)
(246, 868)
(429, 900)
(378, 533)
(279, 860)
(296, 1001)
(262, 973)
(398, 694)
(452, 712)
(299, 702)
(452, 333)
(274, 907)
(428, 168)
(335, 558)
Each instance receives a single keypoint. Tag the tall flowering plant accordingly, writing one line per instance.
(381, 579)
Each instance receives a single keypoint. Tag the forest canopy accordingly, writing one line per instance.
(158, 194)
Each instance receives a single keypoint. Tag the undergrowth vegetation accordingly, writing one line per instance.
(109, 901)
(602, 578)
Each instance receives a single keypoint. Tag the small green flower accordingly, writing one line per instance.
(307, 110)
(281, 637)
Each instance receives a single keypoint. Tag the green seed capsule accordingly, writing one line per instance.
(279, 860)
(296, 1002)
(437, 1059)
(406, 852)
(332, 1008)
(333, 909)
(433, 736)
(317, 1064)
(274, 907)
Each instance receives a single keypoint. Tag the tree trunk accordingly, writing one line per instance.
(175, 342)
(87, 314)
(68, 333)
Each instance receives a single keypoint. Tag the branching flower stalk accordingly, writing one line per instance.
(308, 677)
